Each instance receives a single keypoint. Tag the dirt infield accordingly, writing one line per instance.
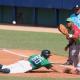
(29, 28)
(6, 58)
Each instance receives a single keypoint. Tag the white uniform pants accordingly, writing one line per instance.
(78, 67)
(19, 67)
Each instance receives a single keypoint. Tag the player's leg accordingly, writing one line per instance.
(75, 54)
(78, 65)
(5, 70)
(69, 60)
(74, 58)
(20, 66)
(77, 71)
(1, 66)
(76, 61)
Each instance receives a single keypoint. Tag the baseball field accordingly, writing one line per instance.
(28, 43)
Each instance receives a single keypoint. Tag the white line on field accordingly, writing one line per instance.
(14, 53)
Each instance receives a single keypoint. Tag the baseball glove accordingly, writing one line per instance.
(63, 29)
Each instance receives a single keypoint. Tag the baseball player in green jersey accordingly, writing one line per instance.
(32, 63)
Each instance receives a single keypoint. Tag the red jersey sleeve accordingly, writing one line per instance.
(76, 31)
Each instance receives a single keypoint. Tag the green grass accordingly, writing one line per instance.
(33, 78)
(22, 78)
(32, 40)
(66, 79)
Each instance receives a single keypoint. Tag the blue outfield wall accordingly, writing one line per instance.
(33, 16)
(36, 12)
(66, 4)
(6, 14)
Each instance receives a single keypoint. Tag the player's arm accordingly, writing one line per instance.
(50, 66)
(73, 37)
(71, 41)
(53, 69)
(76, 33)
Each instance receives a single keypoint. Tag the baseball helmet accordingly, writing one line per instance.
(76, 7)
(69, 20)
(46, 53)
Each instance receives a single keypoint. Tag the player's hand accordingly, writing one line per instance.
(66, 48)
(54, 70)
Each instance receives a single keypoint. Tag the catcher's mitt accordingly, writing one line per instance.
(63, 29)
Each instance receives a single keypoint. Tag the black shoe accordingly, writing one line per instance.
(77, 71)
(5, 70)
(1, 66)
(68, 63)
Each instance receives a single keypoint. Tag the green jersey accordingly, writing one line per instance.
(38, 61)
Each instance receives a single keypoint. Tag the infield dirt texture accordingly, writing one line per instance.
(6, 58)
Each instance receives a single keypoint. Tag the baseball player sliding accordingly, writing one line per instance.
(32, 63)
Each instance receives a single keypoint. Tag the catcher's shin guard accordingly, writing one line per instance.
(5, 70)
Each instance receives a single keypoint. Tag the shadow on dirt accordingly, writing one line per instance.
(39, 71)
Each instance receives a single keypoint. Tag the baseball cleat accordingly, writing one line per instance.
(77, 72)
(5, 70)
(1, 66)
(68, 63)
